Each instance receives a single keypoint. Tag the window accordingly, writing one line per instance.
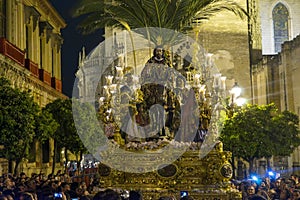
(27, 42)
(46, 152)
(2, 18)
(32, 153)
(280, 16)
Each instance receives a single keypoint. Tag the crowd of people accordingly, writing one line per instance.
(269, 188)
(60, 186)
(44, 187)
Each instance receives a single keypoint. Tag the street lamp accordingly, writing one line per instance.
(235, 92)
(236, 101)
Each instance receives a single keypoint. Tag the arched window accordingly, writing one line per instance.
(280, 16)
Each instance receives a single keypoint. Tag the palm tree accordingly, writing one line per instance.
(176, 15)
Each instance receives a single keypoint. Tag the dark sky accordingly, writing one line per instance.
(73, 43)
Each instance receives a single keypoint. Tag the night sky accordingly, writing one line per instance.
(73, 43)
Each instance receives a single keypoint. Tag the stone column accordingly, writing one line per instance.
(32, 35)
(45, 46)
(10, 21)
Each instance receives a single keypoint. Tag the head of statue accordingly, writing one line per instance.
(158, 52)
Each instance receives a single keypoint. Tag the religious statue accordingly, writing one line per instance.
(155, 76)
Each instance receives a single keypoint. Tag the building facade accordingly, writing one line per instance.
(275, 76)
(30, 57)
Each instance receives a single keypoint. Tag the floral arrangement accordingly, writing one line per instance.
(161, 143)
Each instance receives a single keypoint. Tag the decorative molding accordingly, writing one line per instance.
(47, 11)
(57, 39)
(47, 28)
(202, 177)
(30, 11)
(22, 77)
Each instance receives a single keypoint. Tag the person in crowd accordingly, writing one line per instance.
(65, 188)
(27, 196)
(295, 179)
(295, 195)
(250, 191)
(257, 197)
(108, 194)
(275, 192)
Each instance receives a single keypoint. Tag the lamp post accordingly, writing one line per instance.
(236, 101)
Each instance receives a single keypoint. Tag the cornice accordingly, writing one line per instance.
(48, 12)
(14, 70)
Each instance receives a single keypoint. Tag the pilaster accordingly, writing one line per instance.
(10, 19)
(45, 47)
(56, 40)
(32, 20)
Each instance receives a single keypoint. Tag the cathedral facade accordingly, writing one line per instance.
(275, 76)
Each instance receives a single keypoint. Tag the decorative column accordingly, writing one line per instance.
(45, 47)
(56, 47)
(10, 21)
(32, 17)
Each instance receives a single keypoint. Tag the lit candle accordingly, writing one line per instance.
(223, 83)
(202, 92)
(197, 79)
(119, 71)
(101, 100)
(109, 79)
(106, 91)
(113, 88)
(208, 57)
(216, 83)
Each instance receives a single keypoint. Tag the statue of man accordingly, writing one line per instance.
(154, 78)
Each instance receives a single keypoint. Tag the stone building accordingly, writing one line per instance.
(275, 75)
(30, 57)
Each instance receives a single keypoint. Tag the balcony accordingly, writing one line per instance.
(11, 51)
(32, 67)
(56, 84)
(45, 76)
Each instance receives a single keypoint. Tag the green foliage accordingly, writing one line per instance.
(18, 114)
(258, 131)
(88, 127)
(285, 133)
(170, 14)
(66, 133)
(45, 126)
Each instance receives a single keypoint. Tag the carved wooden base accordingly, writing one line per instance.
(202, 178)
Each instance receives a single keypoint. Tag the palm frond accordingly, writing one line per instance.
(88, 6)
(156, 10)
(217, 6)
(169, 14)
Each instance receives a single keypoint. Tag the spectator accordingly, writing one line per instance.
(250, 192)
(296, 194)
(108, 194)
